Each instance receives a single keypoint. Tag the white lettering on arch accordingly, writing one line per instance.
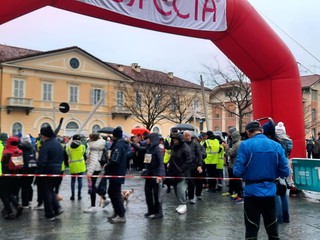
(206, 15)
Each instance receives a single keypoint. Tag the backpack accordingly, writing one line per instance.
(104, 157)
(316, 147)
(14, 163)
(287, 145)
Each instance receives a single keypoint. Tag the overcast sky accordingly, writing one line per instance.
(49, 29)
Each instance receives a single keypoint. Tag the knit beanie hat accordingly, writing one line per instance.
(26, 139)
(280, 128)
(117, 132)
(47, 132)
(231, 130)
(268, 128)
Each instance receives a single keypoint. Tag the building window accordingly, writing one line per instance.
(313, 114)
(120, 98)
(95, 128)
(314, 94)
(16, 129)
(217, 115)
(18, 88)
(71, 128)
(157, 101)
(47, 91)
(96, 95)
(73, 93)
(228, 93)
(174, 103)
(231, 114)
(196, 104)
(138, 100)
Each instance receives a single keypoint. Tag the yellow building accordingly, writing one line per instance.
(33, 84)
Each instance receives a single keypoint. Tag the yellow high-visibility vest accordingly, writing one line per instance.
(212, 150)
(221, 159)
(167, 152)
(76, 159)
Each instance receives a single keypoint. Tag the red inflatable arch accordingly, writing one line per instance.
(247, 41)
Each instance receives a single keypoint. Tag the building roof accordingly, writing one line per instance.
(149, 76)
(135, 72)
(308, 81)
(9, 52)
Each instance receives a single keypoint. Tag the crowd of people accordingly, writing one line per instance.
(184, 162)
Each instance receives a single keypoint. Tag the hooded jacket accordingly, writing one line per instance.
(28, 153)
(196, 153)
(180, 160)
(232, 152)
(94, 154)
(50, 157)
(156, 166)
(11, 150)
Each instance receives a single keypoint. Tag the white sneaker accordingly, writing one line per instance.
(41, 207)
(118, 219)
(105, 203)
(192, 201)
(178, 208)
(90, 210)
(182, 209)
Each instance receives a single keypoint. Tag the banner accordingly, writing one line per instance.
(207, 15)
(306, 174)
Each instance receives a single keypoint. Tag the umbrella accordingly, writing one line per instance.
(106, 130)
(184, 126)
(139, 131)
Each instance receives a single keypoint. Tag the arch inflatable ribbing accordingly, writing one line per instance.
(248, 42)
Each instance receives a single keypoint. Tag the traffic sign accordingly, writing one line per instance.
(64, 107)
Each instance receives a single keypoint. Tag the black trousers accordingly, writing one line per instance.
(94, 189)
(51, 205)
(7, 193)
(152, 191)
(26, 186)
(254, 207)
(194, 185)
(115, 196)
(26, 190)
(234, 185)
(212, 172)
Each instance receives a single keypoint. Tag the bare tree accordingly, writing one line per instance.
(181, 106)
(148, 100)
(231, 89)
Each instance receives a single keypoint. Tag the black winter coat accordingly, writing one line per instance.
(180, 160)
(156, 166)
(117, 163)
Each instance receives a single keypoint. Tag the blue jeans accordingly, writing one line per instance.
(73, 183)
(282, 206)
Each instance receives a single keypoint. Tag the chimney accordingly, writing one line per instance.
(170, 75)
(120, 67)
(136, 67)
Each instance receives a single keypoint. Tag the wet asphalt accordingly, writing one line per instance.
(214, 217)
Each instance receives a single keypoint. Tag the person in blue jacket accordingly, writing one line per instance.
(259, 162)
(117, 167)
(49, 162)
